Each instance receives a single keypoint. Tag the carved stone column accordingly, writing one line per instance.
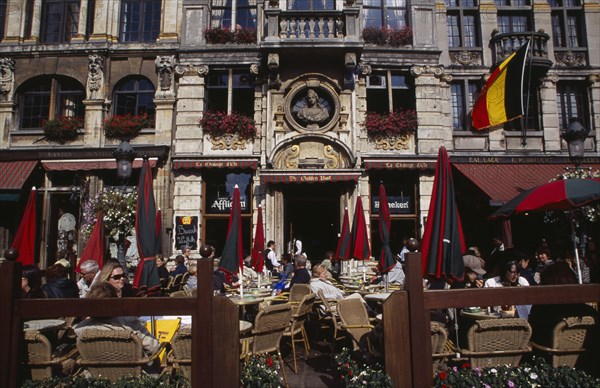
(15, 12)
(432, 91)
(81, 27)
(106, 27)
(549, 115)
(36, 19)
(190, 105)
(95, 111)
(7, 84)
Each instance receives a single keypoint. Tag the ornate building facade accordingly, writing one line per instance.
(342, 95)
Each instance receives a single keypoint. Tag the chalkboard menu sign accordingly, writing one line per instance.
(186, 232)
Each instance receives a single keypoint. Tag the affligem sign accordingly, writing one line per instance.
(397, 205)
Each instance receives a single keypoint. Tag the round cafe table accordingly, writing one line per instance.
(378, 297)
(483, 314)
(245, 327)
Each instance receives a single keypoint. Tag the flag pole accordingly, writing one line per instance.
(524, 117)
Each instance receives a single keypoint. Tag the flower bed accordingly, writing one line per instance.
(62, 130)
(399, 122)
(165, 380)
(354, 371)
(219, 123)
(126, 126)
(260, 371)
(537, 374)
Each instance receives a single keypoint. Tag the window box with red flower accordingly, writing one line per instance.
(392, 130)
(388, 36)
(126, 126)
(219, 35)
(223, 127)
(62, 130)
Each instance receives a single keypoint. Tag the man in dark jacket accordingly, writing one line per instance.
(301, 274)
(58, 285)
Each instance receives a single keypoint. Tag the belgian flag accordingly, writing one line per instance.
(502, 97)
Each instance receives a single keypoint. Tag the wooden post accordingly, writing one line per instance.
(396, 331)
(420, 323)
(202, 339)
(10, 288)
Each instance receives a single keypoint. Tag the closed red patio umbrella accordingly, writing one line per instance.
(258, 248)
(359, 248)
(24, 241)
(386, 258)
(94, 249)
(232, 258)
(342, 251)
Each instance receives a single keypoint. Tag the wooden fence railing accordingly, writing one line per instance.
(215, 343)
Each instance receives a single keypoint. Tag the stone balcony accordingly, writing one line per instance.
(505, 44)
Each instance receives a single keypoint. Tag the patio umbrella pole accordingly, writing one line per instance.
(574, 239)
(387, 284)
(241, 283)
(456, 332)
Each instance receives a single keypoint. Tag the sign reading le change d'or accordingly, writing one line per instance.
(186, 232)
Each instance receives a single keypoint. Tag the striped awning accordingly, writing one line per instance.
(89, 164)
(14, 174)
(317, 176)
(503, 182)
(215, 163)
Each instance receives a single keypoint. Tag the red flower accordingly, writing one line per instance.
(269, 361)
(349, 372)
(443, 375)
(466, 365)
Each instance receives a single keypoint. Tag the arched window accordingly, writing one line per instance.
(47, 98)
(134, 96)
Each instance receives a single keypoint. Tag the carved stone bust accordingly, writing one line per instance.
(312, 106)
(312, 112)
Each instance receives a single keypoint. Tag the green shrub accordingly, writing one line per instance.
(164, 381)
(354, 371)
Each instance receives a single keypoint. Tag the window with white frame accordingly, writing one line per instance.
(238, 13)
(231, 90)
(47, 98)
(388, 91)
(140, 20)
(384, 14)
(462, 21)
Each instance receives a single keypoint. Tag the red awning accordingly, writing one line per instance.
(215, 163)
(320, 176)
(503, 182)
(14, 174)
(89, 164)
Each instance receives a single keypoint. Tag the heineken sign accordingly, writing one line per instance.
(397, 205)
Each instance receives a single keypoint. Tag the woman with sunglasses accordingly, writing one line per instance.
(113, 274)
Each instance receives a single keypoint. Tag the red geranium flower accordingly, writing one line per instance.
(466, 365)
(269, 361)
(443, 375)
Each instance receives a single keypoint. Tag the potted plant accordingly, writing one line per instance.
(218, 35)
(260, 371)
(125, 126)
(354, 371)
(400, 122)
(62, 130)
(218, 123)
(401, 37)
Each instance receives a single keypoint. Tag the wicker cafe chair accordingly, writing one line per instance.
(439, 336)
(568, 339)
(184, 280)
(39, 355)
(497, 342)
(177, 283)
(330, 317)
(297, 292)
(113, 353)
(269, 326)
(181, 346)
(355, 320)
(299, 316)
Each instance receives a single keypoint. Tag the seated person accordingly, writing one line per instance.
(510, 278)
(89, 269)
(249, 272)
(180, 266)
(58, 285)
(319, 282)
(288, 266)
(301, 274)
(106, 290)
(473, 273)
(163, 272)
(113, 274)
(543, 318)
(192, 281)
(31, 282)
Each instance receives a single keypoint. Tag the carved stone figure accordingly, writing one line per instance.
(7, 78)
(95, 79)
(164, 68)
(312, 112)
